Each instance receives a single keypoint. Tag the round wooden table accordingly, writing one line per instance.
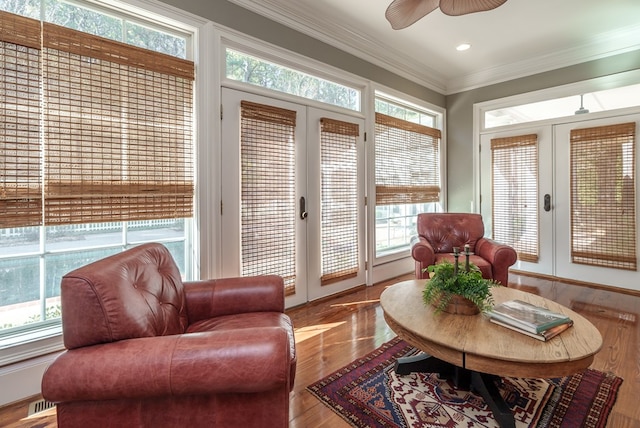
(474, 351)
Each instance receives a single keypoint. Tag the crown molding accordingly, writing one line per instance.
(338, 34)
(599, 49)
(341, 36)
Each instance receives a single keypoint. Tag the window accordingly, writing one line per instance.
(339, 200)
(96, 155)
(256, 71)
(515, 194)
(603, 220)
(592, 102)
(268, 213)
(407, 173)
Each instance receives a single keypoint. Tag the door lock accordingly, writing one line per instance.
(303, 209)
(547, 202)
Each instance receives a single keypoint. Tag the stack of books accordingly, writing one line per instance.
(525, 318)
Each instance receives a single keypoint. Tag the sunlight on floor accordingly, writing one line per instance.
(305, 333)
(362, 302)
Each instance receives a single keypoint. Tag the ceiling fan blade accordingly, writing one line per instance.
(462, 7)
(402, 13)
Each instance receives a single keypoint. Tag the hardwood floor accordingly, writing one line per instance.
(333, 332)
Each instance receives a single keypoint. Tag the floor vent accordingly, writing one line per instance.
(39, 406)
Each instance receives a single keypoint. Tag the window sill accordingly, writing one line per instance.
(30, 344)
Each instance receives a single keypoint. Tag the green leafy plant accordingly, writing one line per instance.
(444, 283)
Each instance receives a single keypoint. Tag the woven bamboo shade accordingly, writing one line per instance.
(20, 95)
(269, 209)
(407, 162)
(514, 184)
(339, 200)
(110, 133)
(603, 225)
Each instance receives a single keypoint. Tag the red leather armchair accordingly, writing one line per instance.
(438, 233)
(145, 349)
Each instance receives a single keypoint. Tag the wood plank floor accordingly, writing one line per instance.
(335, 331)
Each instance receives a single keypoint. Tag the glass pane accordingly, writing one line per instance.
(396, 225)
(28, 8)
(405, 113)
(82, 19)
(19, 240)
(255, 71)
(19, 292)
(154, 40)
(155, 230)
(70, 237)
(609, 99)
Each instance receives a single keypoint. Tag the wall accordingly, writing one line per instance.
(237, 18)
(460, 115)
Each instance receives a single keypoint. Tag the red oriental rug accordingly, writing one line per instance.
(368, 393)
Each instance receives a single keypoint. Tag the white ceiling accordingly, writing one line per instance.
(519, 38)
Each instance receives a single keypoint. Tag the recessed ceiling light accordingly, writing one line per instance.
(463, 46)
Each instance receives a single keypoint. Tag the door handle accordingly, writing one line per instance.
(303, 209)
(547, 202)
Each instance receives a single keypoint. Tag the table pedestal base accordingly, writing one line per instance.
(462, 378)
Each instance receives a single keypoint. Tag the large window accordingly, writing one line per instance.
(243, 67)
(407, 173)
(96, 155)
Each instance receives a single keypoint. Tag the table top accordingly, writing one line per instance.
(475, 343)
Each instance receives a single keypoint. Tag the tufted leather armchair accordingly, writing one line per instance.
(438, 233)
(145, 349)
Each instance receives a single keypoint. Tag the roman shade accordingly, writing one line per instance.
(407, 162)
(268, 216)
(108, 137)
(339, 200)
(514, 185)
(603, 221)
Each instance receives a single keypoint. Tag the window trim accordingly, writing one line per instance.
(402, 256)
(23, 346)
(266, 51)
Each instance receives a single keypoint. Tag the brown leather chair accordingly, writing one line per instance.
(439, 233)
(145, 349)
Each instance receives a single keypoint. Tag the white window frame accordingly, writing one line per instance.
(46, 340)
(397, 263)
(266, 51)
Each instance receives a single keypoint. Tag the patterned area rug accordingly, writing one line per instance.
(368, 393)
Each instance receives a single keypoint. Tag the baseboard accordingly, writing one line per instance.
(24, 378)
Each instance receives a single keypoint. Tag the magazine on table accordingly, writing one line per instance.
(545, 335)
(526, 316)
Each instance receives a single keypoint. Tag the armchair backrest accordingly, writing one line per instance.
(135, 293)
(447, 230)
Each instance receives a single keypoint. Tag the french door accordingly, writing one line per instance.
(582, 216)
(292, 195)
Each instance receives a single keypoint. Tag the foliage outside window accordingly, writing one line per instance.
(95, 187)
(250, 69)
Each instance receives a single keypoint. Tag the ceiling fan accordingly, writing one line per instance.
(402, 13)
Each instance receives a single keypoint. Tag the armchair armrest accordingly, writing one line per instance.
(423, 253)
(226, 296)
(236, 361)
(500, 256)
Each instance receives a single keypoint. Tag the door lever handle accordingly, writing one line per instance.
(303, 209)
(547, 202)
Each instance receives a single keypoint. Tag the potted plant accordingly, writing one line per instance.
(452, 290)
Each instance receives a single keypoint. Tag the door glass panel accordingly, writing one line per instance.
(603, 231)
(339, 200)
(515, 194)
(268, 206)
